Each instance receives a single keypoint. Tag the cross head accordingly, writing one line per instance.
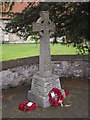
(44, 24)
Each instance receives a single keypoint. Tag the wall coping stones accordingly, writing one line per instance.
(35, 60)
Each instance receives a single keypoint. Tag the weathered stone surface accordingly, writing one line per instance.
(40, 89)
(44, 80)
(18, 75)
(44, 26)
(24, 73)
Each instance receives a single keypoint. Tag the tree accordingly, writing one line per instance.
(71, 19)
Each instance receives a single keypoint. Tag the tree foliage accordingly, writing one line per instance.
(71, 19)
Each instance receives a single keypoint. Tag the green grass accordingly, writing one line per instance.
(14, 51)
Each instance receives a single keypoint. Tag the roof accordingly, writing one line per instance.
(18, 7)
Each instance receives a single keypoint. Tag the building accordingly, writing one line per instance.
(17, 7)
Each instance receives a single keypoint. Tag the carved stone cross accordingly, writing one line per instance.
(44, 26)
(44, 81)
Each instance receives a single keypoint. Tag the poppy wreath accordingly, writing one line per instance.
(23, 106)
(54, 101)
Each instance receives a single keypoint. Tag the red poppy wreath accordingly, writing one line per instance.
(26, 106)
(55, 97)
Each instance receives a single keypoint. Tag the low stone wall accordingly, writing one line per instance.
(20, 71)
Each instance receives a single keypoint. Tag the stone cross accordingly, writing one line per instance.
(43, 81)
(44, 26)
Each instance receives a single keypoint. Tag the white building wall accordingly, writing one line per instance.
(9, 37)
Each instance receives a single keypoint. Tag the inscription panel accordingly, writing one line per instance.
(36, 87)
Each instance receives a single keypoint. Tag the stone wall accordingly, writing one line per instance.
(20, 71)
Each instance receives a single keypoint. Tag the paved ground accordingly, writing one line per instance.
(78, 97)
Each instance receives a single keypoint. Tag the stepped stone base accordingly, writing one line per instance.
(40, 89)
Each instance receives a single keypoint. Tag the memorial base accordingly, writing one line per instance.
(40, 89)
(41, 101)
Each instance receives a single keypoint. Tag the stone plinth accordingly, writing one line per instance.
(41, 87)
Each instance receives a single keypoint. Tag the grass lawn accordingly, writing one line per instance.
(14, 51)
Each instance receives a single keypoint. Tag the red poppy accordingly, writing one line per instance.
(23, 106)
